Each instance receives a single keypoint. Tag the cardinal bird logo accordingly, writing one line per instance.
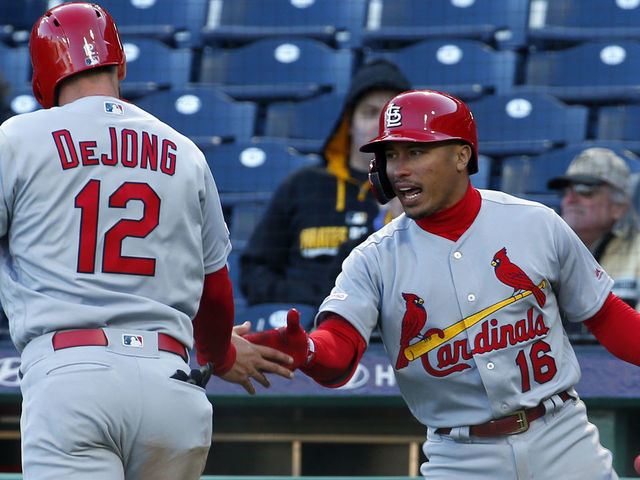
(512, 275)
(413, 321)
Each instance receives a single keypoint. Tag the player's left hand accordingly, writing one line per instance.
(253, 361)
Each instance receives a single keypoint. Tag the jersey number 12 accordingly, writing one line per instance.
(112, 259)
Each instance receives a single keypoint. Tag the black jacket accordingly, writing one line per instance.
(291, 255)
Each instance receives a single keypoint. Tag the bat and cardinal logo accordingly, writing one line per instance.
(415, 316)
(512, 275)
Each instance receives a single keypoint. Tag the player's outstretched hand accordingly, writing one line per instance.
(292, 339)
(253, 361)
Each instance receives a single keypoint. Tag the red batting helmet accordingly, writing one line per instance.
(68, 39)
(422, 116)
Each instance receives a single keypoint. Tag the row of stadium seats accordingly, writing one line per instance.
(354, 23)
(297, 68)
(508, 124)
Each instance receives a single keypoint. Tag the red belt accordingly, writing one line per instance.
(517, 422)
(83, 338)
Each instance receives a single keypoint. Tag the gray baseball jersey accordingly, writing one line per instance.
(473, 327)
(112, 218)
(108, 219)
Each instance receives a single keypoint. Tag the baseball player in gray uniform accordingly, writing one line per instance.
(113, 254)
(467, 289)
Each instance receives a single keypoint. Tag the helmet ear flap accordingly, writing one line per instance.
(380, 184)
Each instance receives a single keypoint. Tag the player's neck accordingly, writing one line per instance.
(452, 222)
(87, 87)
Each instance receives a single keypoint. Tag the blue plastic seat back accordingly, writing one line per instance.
(527, 123)
(203, 113)
(251, 171)
(306, 124)
(594, 72)
(501, 22)
(15, 66)
(553, 21)
(22, 101)
(17, 18)
(337, 23)
(272, 69)
(527, 176)
(619, 122)
(178, 22)
(153, 65)
(466, 69)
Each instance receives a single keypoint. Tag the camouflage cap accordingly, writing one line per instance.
(594, 166)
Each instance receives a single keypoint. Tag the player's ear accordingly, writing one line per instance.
(463, 156)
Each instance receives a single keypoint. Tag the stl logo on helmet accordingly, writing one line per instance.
(393, 116)
(92, 57)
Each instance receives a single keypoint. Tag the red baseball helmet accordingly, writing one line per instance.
(422, 116)
(68, 39)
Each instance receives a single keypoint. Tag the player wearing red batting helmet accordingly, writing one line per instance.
(69, 39)
(424, 116)
(87, 281)
(475, 334)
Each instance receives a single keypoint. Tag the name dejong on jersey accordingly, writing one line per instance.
(128, 148)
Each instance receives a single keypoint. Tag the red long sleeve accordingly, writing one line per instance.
(617, 328)
(338, 350)
(213, 324)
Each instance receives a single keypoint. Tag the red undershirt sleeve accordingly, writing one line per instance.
(213, 324)
(338, 350)
(617, 328)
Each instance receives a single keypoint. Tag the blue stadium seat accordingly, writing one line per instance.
(177, 22)
(251, 171)
(497, 22)
(15, 66)
(153, 65)
(466, 69)
(233, 22)
(620, 122)
(527, 176)
(553, 22)
(528, 123)
(264, 316)
(277, 69)
(17, 19)
(304, 125)
(205, 114)
(22, 101)
(590, 73)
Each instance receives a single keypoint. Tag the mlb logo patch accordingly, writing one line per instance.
(115, 108)
(132, 340)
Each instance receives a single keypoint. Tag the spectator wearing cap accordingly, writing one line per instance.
(596, 204)
(319, 212)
